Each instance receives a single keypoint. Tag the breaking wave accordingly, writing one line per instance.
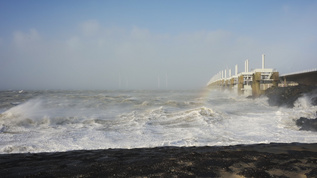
(61, 121)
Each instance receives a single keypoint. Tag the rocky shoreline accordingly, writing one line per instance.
(261, 160)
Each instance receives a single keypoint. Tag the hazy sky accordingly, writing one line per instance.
(77, 44)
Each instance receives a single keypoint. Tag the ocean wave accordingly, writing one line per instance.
(58, 121)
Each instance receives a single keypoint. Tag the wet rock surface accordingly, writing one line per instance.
(286, 96)
(263, 160)
(307, 124)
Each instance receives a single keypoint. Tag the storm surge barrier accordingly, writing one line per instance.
(254, 82)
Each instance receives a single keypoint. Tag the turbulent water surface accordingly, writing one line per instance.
(50, 121)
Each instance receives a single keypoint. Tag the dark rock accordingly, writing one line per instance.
(250, 172)
(312, 173)
(286, 96)
(307, 124)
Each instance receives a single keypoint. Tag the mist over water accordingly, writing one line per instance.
(50, 121)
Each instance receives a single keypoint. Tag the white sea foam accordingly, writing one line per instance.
(97, 120)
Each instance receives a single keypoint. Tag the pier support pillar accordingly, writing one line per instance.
(275, 77)
(231, 83)
(240, 84)
(256, 90)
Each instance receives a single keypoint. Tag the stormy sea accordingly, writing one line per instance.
(55, 122)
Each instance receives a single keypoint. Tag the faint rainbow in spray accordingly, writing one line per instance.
(205, 95)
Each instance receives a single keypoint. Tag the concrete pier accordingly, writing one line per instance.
(231, 83)
(256, 91)
(240, 84)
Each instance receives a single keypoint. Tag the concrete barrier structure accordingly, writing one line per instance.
(253, 82)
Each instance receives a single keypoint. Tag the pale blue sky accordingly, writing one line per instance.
(131, 44)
